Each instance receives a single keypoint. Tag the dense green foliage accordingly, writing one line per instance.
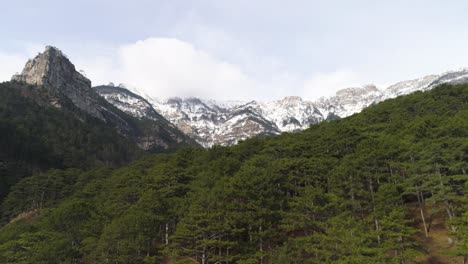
(35, 137)
(356, 190)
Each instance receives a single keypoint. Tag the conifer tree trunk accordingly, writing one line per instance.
(261, 244)
(149, 248)
(421, 210)
(42, 200)
(376, 220)
(446, 203)
(448, 210)
(352, 193)
(204, 256)
(227, 255)
(166, 238)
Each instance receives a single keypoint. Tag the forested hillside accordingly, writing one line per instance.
(35, 137)
(372, 188)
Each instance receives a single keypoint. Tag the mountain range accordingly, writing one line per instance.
(386, 185)
(212, 122)
(157, 123)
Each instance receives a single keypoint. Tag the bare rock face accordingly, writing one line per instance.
(212, 122)
(53, 74)
(53, 71)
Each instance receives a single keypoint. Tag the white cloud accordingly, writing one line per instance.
(326, 84)
(99, 69)
(167, 67)
(11, 64)
(159, 67)
(164, 67)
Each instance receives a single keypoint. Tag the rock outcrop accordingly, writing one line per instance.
(51, 72)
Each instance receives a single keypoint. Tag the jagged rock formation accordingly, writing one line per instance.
(128, 102)
(53, 71)
(152, 122)
(212, 122)
(54, 75)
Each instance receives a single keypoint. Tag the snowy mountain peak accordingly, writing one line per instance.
(212, 122)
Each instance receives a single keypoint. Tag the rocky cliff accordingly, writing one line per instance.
(52, 73)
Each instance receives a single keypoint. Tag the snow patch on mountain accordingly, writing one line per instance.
(212, 122)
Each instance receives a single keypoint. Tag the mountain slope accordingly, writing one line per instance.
(376, 187)
(50, 117)
(57, 76)
(157, 130)
(35, 137)
(128, 102)
(212, 122)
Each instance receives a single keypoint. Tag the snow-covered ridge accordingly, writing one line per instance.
(127, 101)
(212, 122)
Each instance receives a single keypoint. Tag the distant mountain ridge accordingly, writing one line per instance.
(212, 122)
(64, 87)
(156, 123)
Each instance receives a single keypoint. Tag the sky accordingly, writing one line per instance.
(240, 49)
